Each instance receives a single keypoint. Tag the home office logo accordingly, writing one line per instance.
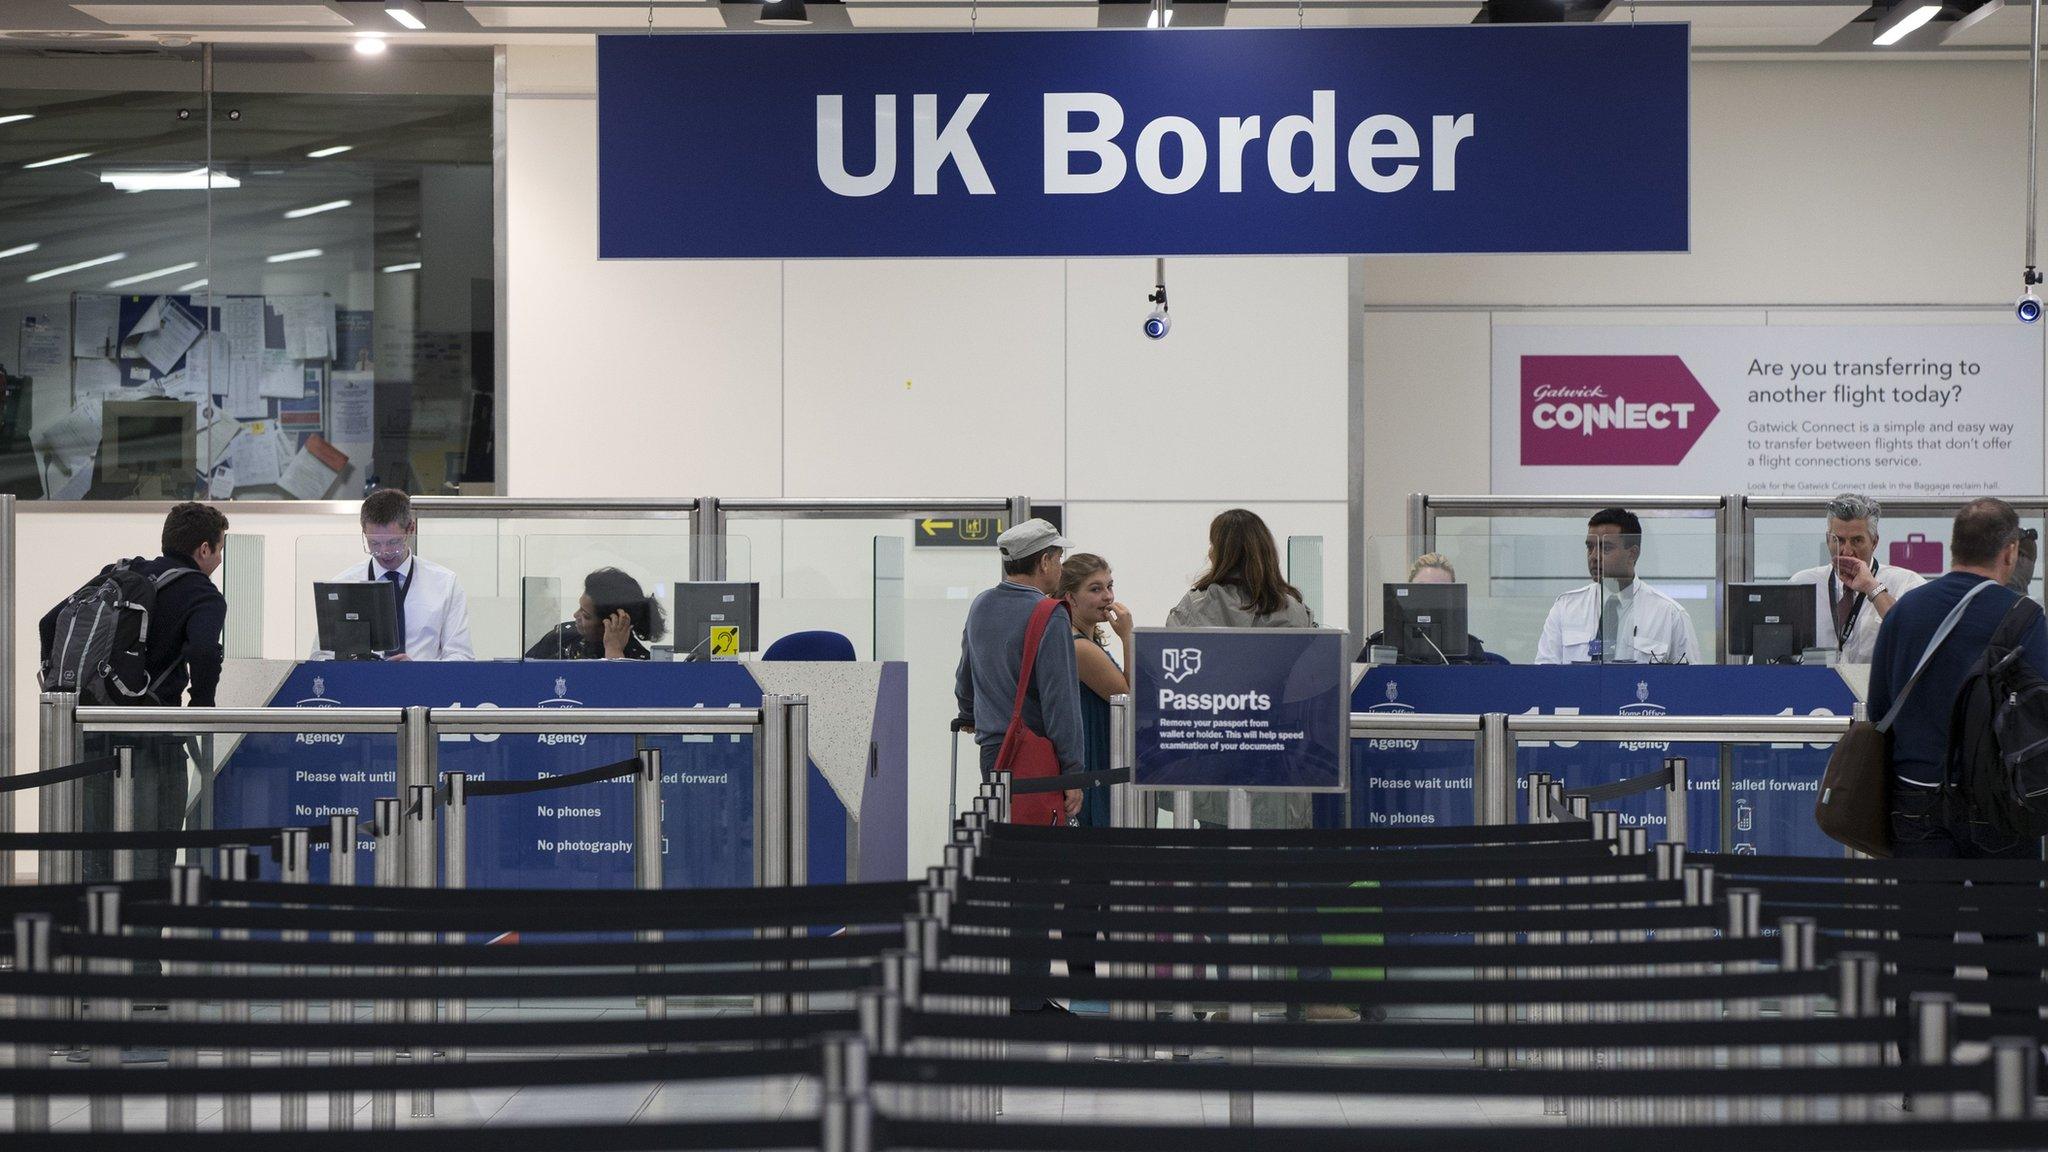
(1644, 707)
(1393, 702)
(1177, 664)
(319, 698)
(561, 700)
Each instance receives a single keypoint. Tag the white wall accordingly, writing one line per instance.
(891, 378)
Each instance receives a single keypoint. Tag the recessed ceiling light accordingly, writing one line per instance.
(78, 267)
(16, 117)
(370, 44)
(18, 250)
(173, 270)
(58, 160)
(406, 18)
(192, 285)
(323, 153)
(288, 257)
(412, 267)
(1904, 19)
(315, 210)
(195, 180)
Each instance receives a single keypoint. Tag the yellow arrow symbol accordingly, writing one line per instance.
(931, 527)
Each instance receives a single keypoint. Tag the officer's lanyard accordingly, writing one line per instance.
(1855, 604)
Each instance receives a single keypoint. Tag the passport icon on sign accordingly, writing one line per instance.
(1180, 663)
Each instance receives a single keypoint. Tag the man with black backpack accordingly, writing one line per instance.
(1950, 624)
(143, 632)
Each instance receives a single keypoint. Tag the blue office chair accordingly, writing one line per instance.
(810, 646)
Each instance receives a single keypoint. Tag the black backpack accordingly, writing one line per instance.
(97, 648)
(1998, 735)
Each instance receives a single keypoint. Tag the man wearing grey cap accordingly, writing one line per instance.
(992, 650)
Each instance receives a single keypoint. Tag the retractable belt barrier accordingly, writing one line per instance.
(1623, 986)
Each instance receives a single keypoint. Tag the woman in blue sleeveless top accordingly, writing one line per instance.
(1090, 592)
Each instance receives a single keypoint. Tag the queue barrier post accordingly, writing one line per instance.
(341, 870)
(1934, 1031)
(1493, 762)
(1744, 908)
(233, 864)
(796, 746)
(32, 933)
(846, 1107)
(181, 1113)
(124, 810)
(1797, 952)
(1121, 795)
(1699, 892)
(1633, 842)
(1857, 999)
(103, 918)
(388, 872)
(1677, 813)
(647, 860)
(1538, 784)
(2015, 1072)
(56, 809)
(421, 846)
(295, 846)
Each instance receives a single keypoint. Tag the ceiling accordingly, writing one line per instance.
(1963, 28)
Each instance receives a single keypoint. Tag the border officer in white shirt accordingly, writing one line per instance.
(433, 614)
(1617, 619)
(1853, 590)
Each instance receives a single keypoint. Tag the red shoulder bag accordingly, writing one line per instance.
(1026, 755)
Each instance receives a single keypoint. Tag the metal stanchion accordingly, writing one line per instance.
(1677, 811)
(416, 751)
(341, 871)
(1934, 1031)
(103, 918)
(845, 1107)
(421, 846)
(796, 746)
(455, 874)
(1493, 765)
(295, 847)
(2015, 1072)
(7, 574)
(124, 810)
(1699, 893)
(1242, 1103)
(181, 1113)
(1744, 907)
(1797, 936)
(389, 872)
(1538, 784)
(32, 955)
(1664, 1110)
(771, 816)
(1857, 999)
(233, 864)
(647, 859)
(56, 809)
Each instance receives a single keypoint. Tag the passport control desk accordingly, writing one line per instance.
(582, 836)
(1767, 803)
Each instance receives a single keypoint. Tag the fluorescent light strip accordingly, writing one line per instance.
(192, 285)
(412, 267)
(315, 210)
(406, 18)
(18, 250)
(324, 153)
(288, 257)
(125, 281)
(17, 117)
(78, 267)
(58, 160)
(1908, 25)
(1152, 21)
(195, 180)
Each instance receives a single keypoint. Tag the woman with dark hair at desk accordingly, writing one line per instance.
(615, 620)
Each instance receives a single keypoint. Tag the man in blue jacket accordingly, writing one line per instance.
(1984, 546)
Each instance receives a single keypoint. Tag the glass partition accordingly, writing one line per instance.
(570, 584)
(483, 561)
(1305, 572)
(1513, 579)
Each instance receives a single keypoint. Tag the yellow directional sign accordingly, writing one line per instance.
(931, 527)
(971, 531)
(725, 640)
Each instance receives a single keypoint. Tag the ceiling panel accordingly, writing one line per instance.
(562, 16)
(219, 15)
(961, 14)
(2012, 26)
(1744, 23)
(1244, 14)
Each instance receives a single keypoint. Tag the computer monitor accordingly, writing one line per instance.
(358, 619)
(150, 444)
(1426, 622)
(716, 618)
(1770, 623)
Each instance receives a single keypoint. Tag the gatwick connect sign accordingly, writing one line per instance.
(1161, 142)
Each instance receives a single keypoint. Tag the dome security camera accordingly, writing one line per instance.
(2028, 309)
(1158, 324)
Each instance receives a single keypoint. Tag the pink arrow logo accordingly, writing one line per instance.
(1611, 410)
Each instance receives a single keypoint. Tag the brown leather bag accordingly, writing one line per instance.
(1854, 807)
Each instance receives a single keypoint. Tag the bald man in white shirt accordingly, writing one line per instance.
(1617, 619)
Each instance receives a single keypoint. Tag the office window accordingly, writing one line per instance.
(282, 289)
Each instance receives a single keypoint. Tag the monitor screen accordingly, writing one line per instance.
(1426, 622)
(1771, 623)
(716, 618)
(358, 619)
